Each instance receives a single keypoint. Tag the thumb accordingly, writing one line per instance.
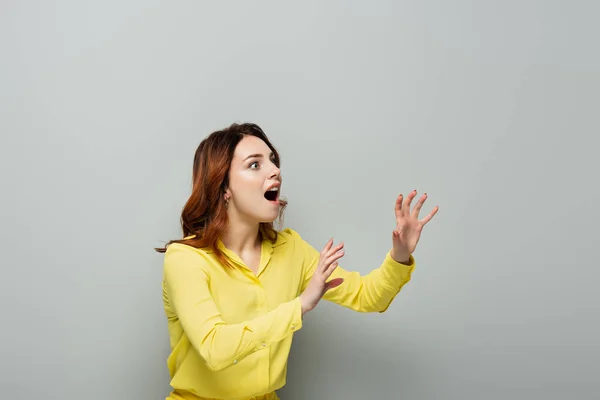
(333, 283)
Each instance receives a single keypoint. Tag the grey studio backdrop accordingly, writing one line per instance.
(489, 107)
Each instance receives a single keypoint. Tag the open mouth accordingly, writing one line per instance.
(272, 194)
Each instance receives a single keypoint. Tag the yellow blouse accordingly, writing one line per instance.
(231, 330)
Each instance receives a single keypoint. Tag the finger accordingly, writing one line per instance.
(330, 269)
(418, 206)
(334, 249)
(398, 206)
(334, 257)
(324, 253)
(328, 257)
(335, 282)
(327, 246)
(430, 215)
(407, 201)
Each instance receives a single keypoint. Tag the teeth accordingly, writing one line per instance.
(273, 190)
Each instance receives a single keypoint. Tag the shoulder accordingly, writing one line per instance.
(179, 256)
(292, 240)
(185, 249)
(288, 236)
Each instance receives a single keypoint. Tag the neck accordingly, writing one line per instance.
(240, 235)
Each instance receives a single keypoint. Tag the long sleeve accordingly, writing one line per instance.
(373, 292)
(218, 343)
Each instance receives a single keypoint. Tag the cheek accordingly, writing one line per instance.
(246, 183)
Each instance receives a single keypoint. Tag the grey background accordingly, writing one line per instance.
(489, 106)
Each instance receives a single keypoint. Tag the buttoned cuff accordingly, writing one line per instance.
(294, 323)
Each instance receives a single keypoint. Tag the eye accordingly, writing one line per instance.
(254, 163)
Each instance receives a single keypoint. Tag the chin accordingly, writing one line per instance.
(265, 214)
(268, 220)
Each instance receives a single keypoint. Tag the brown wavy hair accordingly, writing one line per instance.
(204, 216)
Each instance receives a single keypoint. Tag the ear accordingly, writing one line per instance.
(227, 194)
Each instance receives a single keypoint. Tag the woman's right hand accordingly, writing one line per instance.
(318, 284)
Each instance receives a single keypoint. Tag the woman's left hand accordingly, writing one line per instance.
(408, 226)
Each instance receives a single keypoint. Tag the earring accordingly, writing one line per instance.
(226, 202)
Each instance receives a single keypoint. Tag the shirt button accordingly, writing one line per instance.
(264, 344)
(235, 361)
(293, 326)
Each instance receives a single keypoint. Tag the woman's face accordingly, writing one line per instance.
(254, 181)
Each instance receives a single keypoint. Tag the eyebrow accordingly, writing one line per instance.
(257, 156)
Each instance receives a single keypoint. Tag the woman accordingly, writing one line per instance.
(235, 289)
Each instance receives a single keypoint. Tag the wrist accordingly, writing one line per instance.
(401, 258)
(303, 305)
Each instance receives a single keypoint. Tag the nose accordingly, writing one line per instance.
(275, 172)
